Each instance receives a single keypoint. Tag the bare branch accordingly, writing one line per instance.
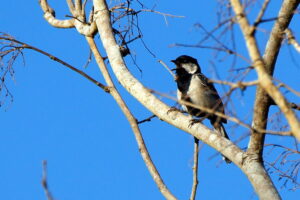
(138, 136)
(145, 10)
(263, 101)
(72, 7)
(281, 84)
(286, 164)
(78, 19)
(233, 85)
(295, 106)
(213, 48)
(265, 80)
(52, 57)
(147, 119)
(78, 5)
(289, 149)
(261, 13)
(195, 169)
(45, 183)
(166, 66)
(221, 115)
(49, 15)
(292, 40)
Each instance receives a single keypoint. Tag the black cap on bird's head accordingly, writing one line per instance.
(187, 63)
(185, 59)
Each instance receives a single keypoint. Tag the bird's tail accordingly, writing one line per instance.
(220, 129)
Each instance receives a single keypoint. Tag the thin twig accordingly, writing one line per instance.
(292, 40)
(45, 183)
(233, 85)
(281, 84)
(282, 173)
(169, 70)
(195, 169)
(265, 78)
(213, 48)
(261, 12)
(27, 46)
(147, 119)
(221, 115)
(144, 10)
(131, 119)
(278, 145)
(295, 106)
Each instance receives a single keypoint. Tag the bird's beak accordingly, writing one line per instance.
(173, 61)
(173, 69)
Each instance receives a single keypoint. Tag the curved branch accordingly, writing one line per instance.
(252, 168)
(145, 97)
(77, 21)
(265, 79)
(263, 101)
(49, 15)
(133, 122)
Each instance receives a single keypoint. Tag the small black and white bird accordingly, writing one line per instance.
(194, 87)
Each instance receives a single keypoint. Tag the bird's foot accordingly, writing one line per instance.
(194, 121)
(172, 109)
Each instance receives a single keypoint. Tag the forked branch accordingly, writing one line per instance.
(134, 125)
(265, 79)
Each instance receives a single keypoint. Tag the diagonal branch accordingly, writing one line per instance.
(133, 122)
(144, 96)
(261, 13)
(265, 79)
(52, 57)
(252, 168)
(263, 101)
(256, 173)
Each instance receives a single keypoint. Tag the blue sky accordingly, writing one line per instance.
(58, 116)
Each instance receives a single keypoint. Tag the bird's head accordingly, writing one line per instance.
(186, 65)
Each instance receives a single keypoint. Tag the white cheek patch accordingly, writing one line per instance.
(190, 68)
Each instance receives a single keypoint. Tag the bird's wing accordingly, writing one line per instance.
(213, 92)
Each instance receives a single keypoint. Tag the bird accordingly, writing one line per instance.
(195, 88)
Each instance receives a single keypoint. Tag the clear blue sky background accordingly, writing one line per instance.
(58, 116)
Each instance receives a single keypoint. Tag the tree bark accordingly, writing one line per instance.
(262, 100)
(253, 169)
(265, 80)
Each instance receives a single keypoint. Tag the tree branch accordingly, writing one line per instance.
(195, 169)
(85, 28)
(292, 40)
(45, 183)
(49, 15)
(263, 101)
(261, 13)
(252, 168)
(142, 94)
(265, 80)
(52, 57)
(134, 125)
(221, 115)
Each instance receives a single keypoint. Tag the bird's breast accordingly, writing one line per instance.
(200, 94)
